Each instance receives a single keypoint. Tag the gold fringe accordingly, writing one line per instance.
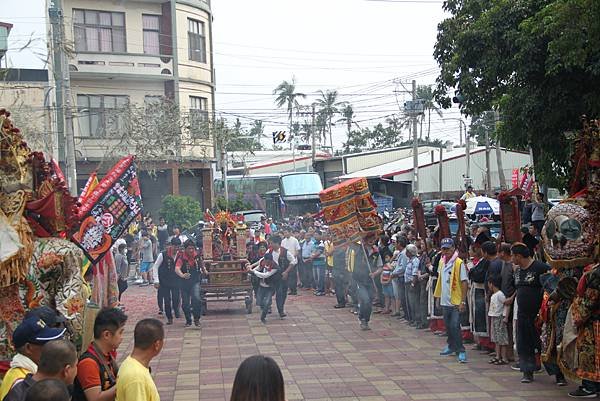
(568, 264)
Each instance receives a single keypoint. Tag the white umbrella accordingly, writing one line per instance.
(482, 205)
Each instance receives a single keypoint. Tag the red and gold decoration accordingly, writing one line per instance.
(349, 210)
(419, 217)
(37, 265)
(462, 239)
(510, 215)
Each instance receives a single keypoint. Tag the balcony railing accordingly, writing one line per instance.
(123, 64)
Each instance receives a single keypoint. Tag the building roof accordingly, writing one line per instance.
(405, 165)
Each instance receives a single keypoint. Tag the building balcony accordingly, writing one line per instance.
(90, 65)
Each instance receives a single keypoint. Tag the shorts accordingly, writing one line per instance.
(145, 267)
(388, 290)
(499, 331)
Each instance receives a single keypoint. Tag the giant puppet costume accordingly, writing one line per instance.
(38, 266)
(571, 236)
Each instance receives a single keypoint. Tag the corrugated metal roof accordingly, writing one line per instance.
(388, 170)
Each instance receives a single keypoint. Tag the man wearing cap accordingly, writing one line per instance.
(58, 361)
(28, 339)
(468, 193)
(451, 288)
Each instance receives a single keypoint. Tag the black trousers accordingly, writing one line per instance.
(170, 296)
(292, 280)
(281, 294)
(122, 284)
(528, 342)
(340, 278)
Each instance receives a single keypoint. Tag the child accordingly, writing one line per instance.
(499, 317)
(386, 284)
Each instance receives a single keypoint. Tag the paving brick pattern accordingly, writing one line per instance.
(323, 356)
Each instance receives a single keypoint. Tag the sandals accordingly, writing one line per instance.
(498, 362)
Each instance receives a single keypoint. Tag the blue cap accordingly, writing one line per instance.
(447, 243)
(34, 330)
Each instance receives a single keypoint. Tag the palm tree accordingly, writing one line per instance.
(287, 96)
(328, 107)
(425, 93)
(347, 117)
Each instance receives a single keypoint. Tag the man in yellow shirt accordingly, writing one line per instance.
(134, 382)
(28, 339)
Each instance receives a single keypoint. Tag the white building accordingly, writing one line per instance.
(142, 52)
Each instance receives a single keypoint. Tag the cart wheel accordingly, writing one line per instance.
(248, 305)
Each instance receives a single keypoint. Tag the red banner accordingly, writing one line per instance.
(515, 178)
(109, 210)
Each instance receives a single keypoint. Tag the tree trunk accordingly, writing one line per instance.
(501, 176)
(330, 136)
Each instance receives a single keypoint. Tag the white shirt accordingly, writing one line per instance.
(292, 245)
(497, 304)
(291, 258)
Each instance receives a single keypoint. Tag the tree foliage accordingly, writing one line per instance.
(183, 211)
(537, 61)
(236, 205)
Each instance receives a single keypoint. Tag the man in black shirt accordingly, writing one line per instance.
(490, 253)
(529, 300)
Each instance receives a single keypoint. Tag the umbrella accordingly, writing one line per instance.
(482, 205)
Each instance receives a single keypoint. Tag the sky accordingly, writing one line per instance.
(369, 51)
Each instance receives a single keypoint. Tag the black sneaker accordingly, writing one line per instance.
(169, 322)
(160, 312)
(338, 306)
(561, 381)
(282, 316)
(197, 322)
(263, 320)
(582, 392)
(516, 367)
(188, 324)
(527, 378)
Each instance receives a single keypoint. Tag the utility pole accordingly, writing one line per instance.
(488, 185)
(64, 120)
(313, 138)
(440, 172)
(415, 143)
(501, 176)
(468, 152)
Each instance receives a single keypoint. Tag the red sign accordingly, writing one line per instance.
(515, 178)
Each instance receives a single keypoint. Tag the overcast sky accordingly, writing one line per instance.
(364, 49)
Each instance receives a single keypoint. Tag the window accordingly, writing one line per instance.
(151, 27)
(99, 31)
(198, 116)
(100, 115)
(196, 41)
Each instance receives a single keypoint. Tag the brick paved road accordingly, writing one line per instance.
(323, 356)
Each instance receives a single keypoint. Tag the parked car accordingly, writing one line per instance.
(252, 217)
(429, 210)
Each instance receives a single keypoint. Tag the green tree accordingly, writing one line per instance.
(347, 117)
(287, 96)
(328, 107)
(480, 125)
(183, 211)
(425, 93)
(236, 205)
(537, 62)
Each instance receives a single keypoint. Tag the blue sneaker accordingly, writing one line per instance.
(462, 357)
(446, 351)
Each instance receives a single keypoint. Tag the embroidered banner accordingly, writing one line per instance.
(109, 210)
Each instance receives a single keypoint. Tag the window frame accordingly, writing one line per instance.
(197, 55)
(158, 31)
(101, 112)
(97, 26)
(198, 114)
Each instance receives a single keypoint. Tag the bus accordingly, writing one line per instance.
(279, 195)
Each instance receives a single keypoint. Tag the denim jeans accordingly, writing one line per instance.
(422, 307)
(265, 299)
(412, 295)
(403, 297)
(319, 276)
(306, 274)
(281, 294)
(170, 296)
(191, 298)
(366, 293)
(452, 323)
